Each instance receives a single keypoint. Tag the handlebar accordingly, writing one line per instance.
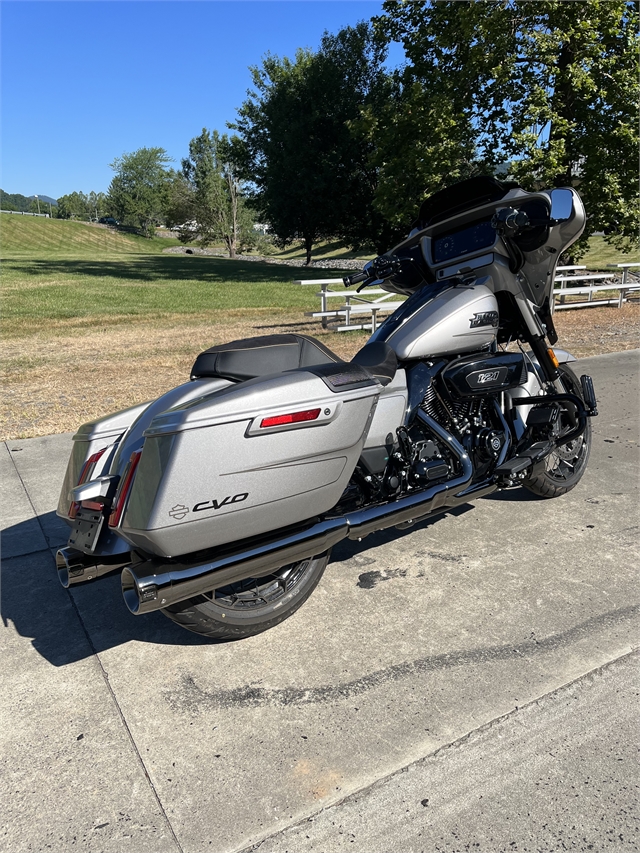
(378, 269)
(509, 222)
(356, 278)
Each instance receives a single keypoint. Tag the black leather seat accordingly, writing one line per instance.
(253, 357)
(379, 360)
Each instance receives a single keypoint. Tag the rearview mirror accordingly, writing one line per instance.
(561, 205)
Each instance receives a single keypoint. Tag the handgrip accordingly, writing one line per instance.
(356, 278)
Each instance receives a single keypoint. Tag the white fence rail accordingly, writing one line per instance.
(24, 213)
(589, 284)
(571, 282)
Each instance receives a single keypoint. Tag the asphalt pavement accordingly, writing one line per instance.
(468, 684)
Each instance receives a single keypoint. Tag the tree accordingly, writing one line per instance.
(14, 201)
(206, 197)
(96, 205)
(550, 89)
(137, 193)
(74, 205)
(312, 175)
(419, 144)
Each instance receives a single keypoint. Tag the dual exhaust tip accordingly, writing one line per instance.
(74, 567)
(152, 584)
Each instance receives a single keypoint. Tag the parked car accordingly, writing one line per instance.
(108, 220)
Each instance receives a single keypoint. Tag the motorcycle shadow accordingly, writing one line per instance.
(69, 625)
(349, 548)
(517, 494)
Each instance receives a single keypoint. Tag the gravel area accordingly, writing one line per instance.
(324, 264)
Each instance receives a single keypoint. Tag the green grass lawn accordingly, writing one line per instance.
(55, 270)
(602, 253)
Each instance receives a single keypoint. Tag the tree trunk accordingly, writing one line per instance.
(233, 196)
(308, 244)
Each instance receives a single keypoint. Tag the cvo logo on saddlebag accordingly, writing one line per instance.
(215, 504)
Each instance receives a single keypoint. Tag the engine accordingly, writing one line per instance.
(474, 421)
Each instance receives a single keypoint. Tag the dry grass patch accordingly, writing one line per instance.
(72, 371)
(55, 380)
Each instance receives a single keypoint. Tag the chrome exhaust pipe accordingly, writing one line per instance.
(154, 584)
(76, 567)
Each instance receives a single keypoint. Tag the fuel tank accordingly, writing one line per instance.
(442, 320)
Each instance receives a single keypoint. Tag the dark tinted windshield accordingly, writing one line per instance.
(460, 197)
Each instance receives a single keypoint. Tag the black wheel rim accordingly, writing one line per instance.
(253, 594)
(566, 461)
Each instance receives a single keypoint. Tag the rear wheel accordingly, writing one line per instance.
(252, 605)
(562, 469)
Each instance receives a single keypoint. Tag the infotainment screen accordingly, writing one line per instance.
(472, 238)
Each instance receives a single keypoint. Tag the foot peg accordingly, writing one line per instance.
(589, 395)
(513, 466)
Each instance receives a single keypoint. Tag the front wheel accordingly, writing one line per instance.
(562, 470)
(250, 606)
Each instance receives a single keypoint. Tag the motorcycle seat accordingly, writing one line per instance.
(379, 360)
(252, 357)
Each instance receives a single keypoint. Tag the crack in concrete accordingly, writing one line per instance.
(257, 843)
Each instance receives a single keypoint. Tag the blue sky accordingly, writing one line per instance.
(84, 82)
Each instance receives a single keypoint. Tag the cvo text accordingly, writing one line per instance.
(215, 504)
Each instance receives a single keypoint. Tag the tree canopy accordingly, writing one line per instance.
(206, 197)
(79, 205)
(311, 174)
(549, 89)
(137, 193)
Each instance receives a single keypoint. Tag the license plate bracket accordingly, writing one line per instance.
(86, 530)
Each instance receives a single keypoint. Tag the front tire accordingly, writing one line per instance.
(251, 606)
(562, 470)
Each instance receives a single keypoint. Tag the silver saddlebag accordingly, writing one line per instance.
(255, 457)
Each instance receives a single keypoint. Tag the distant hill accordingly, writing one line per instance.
(46, 198)
(16, 201)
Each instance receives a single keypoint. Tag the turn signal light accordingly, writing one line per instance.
(124, 488)
(293, 418)
(85, 474)
(553, 357)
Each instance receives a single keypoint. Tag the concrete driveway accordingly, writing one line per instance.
(467, 684)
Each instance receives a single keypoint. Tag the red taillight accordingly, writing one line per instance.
(124, 488)
(85, 474)
(293, 418)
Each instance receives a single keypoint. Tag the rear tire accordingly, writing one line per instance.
(251, 606)
(562, 470)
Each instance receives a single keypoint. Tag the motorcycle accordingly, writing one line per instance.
(221, 500)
